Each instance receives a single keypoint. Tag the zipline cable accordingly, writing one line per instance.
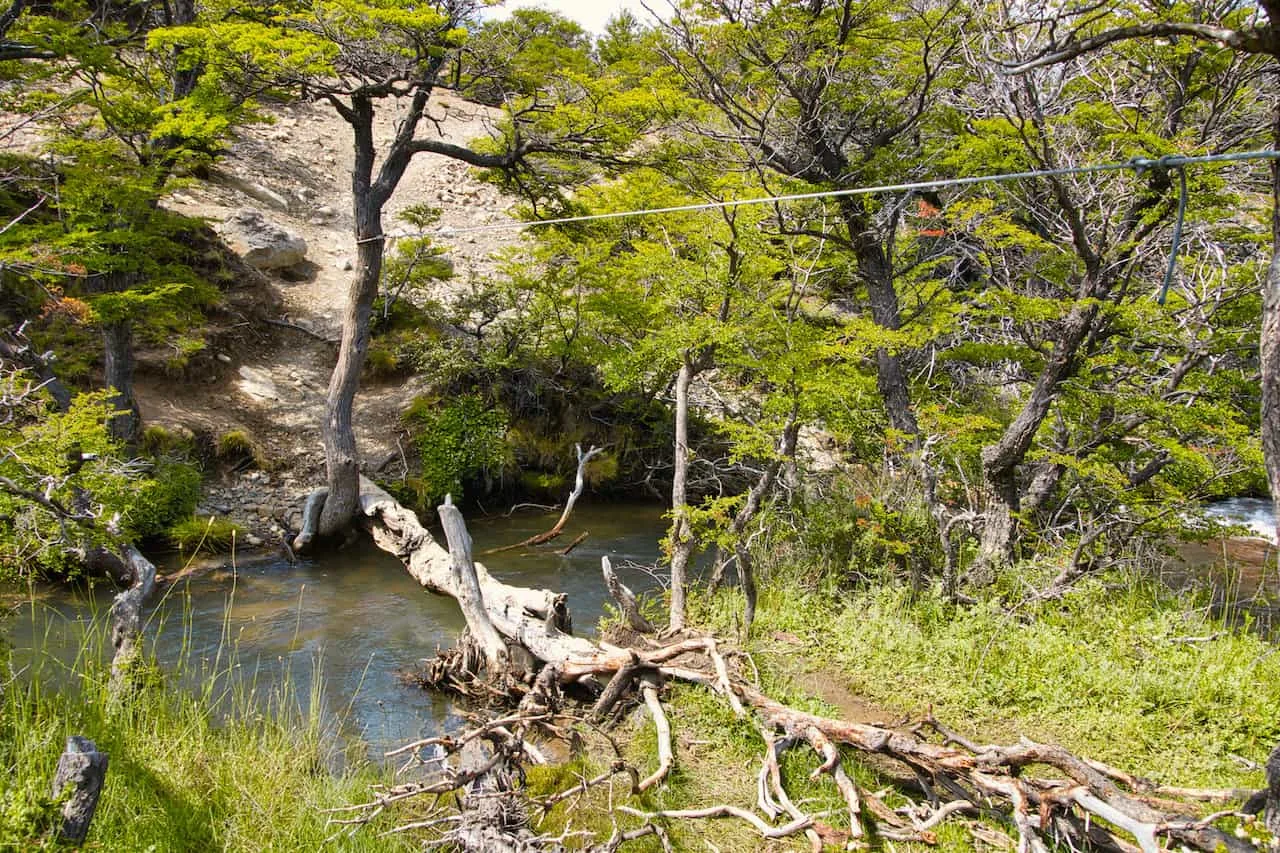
(1137, 165)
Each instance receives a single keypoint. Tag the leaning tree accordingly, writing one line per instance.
(360, 58)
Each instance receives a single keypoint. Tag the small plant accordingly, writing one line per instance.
(238, 446)
(458, 442)
(381, 362)
(161, 441)
(204, 534)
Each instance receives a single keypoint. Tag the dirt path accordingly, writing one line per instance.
(272, 383)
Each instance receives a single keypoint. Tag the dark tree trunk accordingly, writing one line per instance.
(1001, 461)
(22, 354)
(118, 366)
(876, 272)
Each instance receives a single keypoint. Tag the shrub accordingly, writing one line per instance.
(170, 493)
(458, 442)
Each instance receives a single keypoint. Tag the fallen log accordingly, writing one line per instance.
(126, 616)
(1078, 803)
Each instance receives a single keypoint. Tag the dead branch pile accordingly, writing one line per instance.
(1047, 796)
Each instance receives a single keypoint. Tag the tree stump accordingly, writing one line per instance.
(83, 768)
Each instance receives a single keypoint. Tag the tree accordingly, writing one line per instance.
(1244, 29)
(356, 57)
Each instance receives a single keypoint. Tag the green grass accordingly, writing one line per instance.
(218, 769)
(1132, 675)
(204, 534)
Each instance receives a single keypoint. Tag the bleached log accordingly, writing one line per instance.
(467, 587)
(666, 755)
(518, 614)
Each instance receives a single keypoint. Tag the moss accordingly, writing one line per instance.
(238, 446)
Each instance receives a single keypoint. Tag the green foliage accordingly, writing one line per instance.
(71, 460)
(460, 442)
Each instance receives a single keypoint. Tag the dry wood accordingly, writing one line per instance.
(82, 768)
(310, 519)
(625, 599)
(666, 756)
(467, 587)
(579, 484)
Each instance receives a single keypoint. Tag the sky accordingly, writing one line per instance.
(591, 14)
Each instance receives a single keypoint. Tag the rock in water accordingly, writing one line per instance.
(263, 244)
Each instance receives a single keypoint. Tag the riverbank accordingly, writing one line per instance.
(1144, 680)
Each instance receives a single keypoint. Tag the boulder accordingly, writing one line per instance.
(263, 244)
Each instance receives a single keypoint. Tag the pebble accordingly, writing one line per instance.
(223, 357)
(253, 541)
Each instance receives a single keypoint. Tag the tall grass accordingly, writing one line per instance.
(1130, 674)
(224, 765)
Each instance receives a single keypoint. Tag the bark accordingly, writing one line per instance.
(467, 587)
(342, 460)
(118, 369)
(681, 536)
(82, 768)
(126, 617)
(1269, 344)
(624, 598)
(876, 272)
(1001, 461)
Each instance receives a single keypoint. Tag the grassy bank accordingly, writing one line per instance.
(218, 769)
(1133, 676)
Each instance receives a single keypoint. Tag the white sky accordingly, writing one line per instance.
(591, 14)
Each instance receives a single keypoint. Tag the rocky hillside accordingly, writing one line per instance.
(281, 198)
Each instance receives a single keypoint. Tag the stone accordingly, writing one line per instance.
(257, 383)
(223, 357)
(263, 244)
(253, 541)
(326, 211)
(344, 264)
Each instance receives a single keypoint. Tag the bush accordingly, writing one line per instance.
(458, 442)
(170, 493)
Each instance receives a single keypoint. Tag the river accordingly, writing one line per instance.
(341, 629)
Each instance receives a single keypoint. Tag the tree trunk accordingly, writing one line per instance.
(82, 768)
(1000, 461)
(877, 276)
(118, 366)
(1269, 344)
(681, 538)
(342, 459)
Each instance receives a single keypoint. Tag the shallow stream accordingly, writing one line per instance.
(342, 629)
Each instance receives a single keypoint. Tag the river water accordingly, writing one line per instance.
(341, 629)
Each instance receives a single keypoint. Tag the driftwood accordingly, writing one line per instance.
(310, 519)
(126, 616)
(579, 483)
(625, 599)
(1047, 795)
(82, 769)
